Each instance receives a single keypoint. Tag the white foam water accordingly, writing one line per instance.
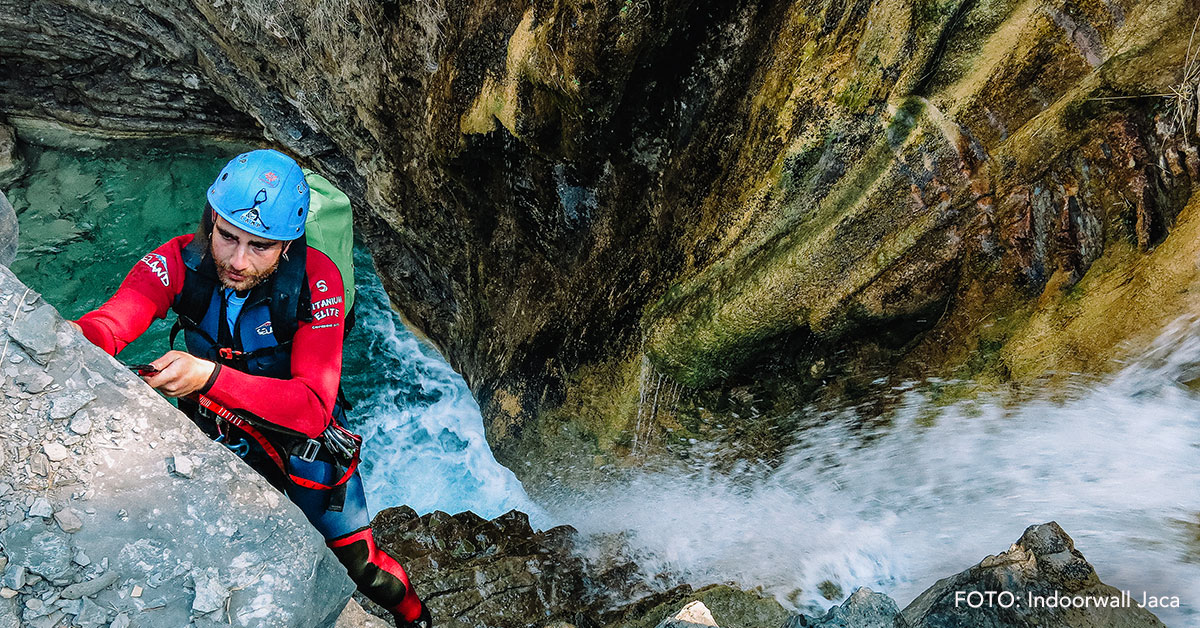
(424, 440)
(934, 490)
(917, 497)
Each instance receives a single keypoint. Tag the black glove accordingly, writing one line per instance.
(424, 621)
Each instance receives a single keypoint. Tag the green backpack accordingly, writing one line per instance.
(330, 227)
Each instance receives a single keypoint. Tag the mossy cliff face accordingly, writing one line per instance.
(610, 214)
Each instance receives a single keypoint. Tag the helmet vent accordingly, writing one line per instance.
(224, 176)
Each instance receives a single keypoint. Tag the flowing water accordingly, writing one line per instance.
(924, 493)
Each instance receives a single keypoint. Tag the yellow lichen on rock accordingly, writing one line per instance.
(498, 98)
(1121, 305)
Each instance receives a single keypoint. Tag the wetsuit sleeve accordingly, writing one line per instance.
(146, 294)
(305, 402)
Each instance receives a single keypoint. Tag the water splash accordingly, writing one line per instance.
(425, 445)
(896, 505)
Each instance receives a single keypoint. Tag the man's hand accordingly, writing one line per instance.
(179, 374)
(76, 326)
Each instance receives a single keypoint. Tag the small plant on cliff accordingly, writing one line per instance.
(1186, 93)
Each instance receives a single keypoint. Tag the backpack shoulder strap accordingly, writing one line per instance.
(291, 301)
(199, 279)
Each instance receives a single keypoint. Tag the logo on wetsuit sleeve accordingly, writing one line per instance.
(326, 308)
(158, 265)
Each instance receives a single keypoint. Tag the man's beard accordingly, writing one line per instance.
(251, 279)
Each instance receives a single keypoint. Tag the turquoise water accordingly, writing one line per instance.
(88, 216)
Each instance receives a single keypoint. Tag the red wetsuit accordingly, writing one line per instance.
(303, 403)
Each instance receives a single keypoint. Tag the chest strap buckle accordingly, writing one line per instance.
(311, 448)
(228, 354)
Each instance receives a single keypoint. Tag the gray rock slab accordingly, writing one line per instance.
(148, 526)
(41, 549)
(68, 520)
(67, 404)
(33, 381)
(36, 332)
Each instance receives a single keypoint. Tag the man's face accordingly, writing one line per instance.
(243, 260)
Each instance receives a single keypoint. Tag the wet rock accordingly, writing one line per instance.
(42, 550)
(694, 615)
(1043, 563)
(863, 609)
(35, 332)
(121, 621)
(498, 573)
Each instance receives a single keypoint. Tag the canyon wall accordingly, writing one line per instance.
(628, 223)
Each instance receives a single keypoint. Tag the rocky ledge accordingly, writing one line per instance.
(475, 573)
(116, 511)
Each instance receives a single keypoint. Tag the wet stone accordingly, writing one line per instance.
(35, 332)
(121, 621)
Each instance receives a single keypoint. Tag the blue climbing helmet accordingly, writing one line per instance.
(262, 192)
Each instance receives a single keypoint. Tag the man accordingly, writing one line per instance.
(270, 361)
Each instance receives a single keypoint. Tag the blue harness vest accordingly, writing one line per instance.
(253, 347)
